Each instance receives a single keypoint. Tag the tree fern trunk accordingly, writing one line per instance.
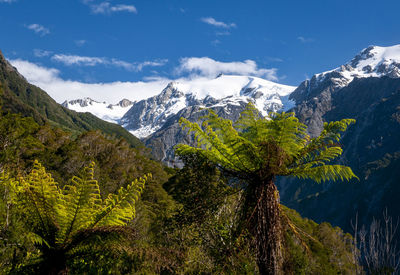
(268, 229)
(54, 263)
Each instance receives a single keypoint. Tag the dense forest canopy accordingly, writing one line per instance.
(185, 218)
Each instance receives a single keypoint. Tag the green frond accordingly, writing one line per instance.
(284, 129)
(317, 157)
(39, 195)
(223, 146)
(11, 185)
(96, 237)
(36, 195)
(277, 145)
(330, 134)
(324, 173)
(119, 209)
(36, 239)
(320, 151)
(57, 219)
(80, 202)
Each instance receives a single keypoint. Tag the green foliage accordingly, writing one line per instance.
(190, 229)
(199, 187)
(207, 242)
(279, 144)
(20, 97)
(313, 248)
(64, 156)
(202, 228)
(63, 223)
(256, 150)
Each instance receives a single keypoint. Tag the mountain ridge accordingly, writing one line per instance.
(19, 96)
(147, 116)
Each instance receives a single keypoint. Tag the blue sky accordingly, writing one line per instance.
(97, 41)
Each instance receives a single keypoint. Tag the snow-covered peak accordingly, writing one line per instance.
(225, 91)
(228, 85)
(103, 110)
(82, 102)
(147, 116)
(373, 61)
(374, 56)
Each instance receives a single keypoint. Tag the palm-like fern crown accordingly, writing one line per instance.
(278, 145)
(55, 216)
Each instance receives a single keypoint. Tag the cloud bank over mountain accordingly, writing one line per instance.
(51, 80)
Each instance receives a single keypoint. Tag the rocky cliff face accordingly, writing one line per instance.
(103, 110)
(371, 146)
(148, 116)
(314, 97)
(163, 141)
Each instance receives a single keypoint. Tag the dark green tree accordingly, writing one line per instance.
(69, 224)
(256, 150)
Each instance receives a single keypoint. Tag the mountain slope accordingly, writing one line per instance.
(107, 112)
(313, 97)
(147, 116)
(21, 97)
(371, 146)
(155, 120)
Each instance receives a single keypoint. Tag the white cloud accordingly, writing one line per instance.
(41, 53)
(78, 60)
(303, 39)
(219, 24)
(274, 59)
(39, 29)
(205, 66)
(199, 69)
(215, 42)
(80, 43)
(157, 63)
(93, 61)
(107, 8)
(223, 33)
(7, 1)
(49, 80)
(35, 72)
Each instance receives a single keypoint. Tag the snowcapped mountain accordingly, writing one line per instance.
(107, 112)
(147, 116)
(229, 93)
(314, 97)
(155, 119)
(366, 89)
(373, 61)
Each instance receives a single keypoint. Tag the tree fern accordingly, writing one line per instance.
(256, 150)
(80, 201)
(119, 209)
(63, 222)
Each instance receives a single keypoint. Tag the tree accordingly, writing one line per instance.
(256, 150)
(68, 224)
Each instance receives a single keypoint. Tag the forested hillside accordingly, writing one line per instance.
(184, 219)
(19, 96)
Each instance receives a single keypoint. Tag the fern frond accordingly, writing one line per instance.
(223, 146)
(39, 195)
(81, 200)
(36, 239)
(282, 129)
(317, 157)
(119, 208)
(278, 145)
(324, 173)
(89, 238)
